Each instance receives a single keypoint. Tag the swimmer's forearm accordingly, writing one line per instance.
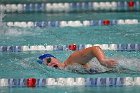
(98, 53)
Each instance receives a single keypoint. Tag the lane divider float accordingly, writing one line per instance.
(79, 81)
(77, 23)
(116, 47)
(71, 7)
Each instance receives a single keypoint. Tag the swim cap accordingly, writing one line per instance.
(40, 61)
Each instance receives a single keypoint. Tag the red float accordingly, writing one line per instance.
(31, 82)
(72, 47)
(131, 3)
(106, 22)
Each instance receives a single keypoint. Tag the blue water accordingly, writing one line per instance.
(68, 35)
(24, 65)
(72, 16)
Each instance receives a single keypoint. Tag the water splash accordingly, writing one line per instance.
(2, 15)
(125, 65)
(14, 31)
(129, 64)
(17, 32)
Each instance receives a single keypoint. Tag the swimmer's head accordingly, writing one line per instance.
(45, 56)
(48, 60)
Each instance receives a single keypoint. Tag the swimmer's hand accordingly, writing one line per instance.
(110, 63)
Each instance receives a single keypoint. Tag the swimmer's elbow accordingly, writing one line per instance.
(96, 47)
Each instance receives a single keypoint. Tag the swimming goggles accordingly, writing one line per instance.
(48, 60)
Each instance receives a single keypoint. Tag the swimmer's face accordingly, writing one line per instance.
(53, 62)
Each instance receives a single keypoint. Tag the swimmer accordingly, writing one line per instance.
(81, 57)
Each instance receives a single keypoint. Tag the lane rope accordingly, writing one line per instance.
(116, 47)
(79, 81)
(70, 7)
(77, 23)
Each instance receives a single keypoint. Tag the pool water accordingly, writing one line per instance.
(68, 35)
(24, 65)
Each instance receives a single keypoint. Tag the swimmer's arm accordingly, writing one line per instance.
(99, 54)
(67, 62)
(109, 63)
